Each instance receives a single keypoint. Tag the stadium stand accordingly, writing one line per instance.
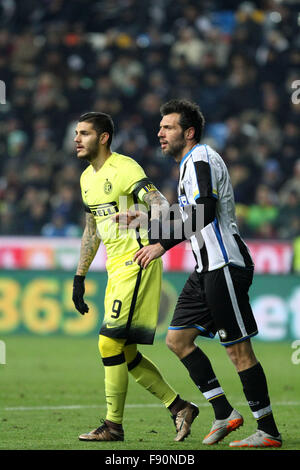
(59, 59)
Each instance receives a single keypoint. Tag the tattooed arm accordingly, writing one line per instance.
(158, 204)
(89, 245)
(159, 210)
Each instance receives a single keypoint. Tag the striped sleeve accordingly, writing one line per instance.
(204, 178)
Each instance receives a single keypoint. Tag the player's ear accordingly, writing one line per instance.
(190, 133)
(104, 138)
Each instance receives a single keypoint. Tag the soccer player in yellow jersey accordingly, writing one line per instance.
(110, 184)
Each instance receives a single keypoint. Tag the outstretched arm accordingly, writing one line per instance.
(158, 204)
(159, 210)
(148, 253)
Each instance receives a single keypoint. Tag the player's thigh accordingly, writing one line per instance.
(132, 302)
(181, 342)
(227, 297)
(109, 347)
(148, 296)
(191, 311)
(119, 295)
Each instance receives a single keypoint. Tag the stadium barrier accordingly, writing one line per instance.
(40, 303)
(41, 253)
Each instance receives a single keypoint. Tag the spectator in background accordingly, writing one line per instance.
(263, 213)
(271, 175)
(149, 109)
(269, 130)
(126, 73)
(33, 210)
(212, 94)
(59, 227)
(242, 86)
(68, 175)
(48, 98)
(65, 204)
(131, 137)
(8, 223)
(243, 183)
(34, 218)
(188, 46)
(24, 52)
(289, 151)
(292, 184)
(288, 222)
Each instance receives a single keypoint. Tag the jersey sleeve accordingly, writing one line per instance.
(204, 176)
(136, 181)
(85, 204)
(143, 187)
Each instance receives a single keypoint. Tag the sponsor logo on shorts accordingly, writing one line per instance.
(222, 334)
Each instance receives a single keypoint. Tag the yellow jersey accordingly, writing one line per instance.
(120, 184)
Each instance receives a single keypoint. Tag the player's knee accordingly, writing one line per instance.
(174, 344)
(181, 342)
(169, 342)
(109, 347)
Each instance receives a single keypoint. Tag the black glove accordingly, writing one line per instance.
(78, 292)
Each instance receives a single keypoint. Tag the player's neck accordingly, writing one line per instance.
(186, 150)
(100, 159)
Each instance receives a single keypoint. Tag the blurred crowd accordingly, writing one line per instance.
(238, 60)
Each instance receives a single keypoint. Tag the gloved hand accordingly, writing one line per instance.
(78, 293)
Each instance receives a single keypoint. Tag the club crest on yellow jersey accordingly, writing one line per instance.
(107, 187)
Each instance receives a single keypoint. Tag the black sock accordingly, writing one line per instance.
(177, 405)
(202, 374)
(256, 392)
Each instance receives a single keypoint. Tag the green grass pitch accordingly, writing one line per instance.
(51, 390)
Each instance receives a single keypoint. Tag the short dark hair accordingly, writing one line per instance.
(102, 122)
(190, 115)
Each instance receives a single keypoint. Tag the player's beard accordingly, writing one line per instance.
(92, 151)
(175, 150)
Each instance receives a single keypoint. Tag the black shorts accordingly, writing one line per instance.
(217, 301)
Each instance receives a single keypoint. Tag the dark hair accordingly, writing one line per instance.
(101, 123)
(190, 115)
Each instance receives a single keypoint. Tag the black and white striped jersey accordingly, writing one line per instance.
(203, 174)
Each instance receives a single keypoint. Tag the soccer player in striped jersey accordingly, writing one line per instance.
(132, 295)
(215, 297)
